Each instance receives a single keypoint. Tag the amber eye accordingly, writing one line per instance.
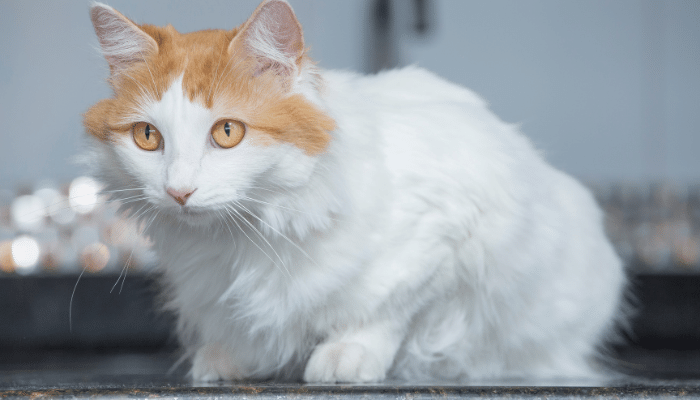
(147, 136)
(228, 133)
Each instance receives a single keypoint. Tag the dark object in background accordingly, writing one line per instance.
(669, 312)
(35, 311)
(384, 32)
(423, 11)
(381, 42)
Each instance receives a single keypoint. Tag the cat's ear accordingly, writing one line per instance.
(122, 41)
(272, 38)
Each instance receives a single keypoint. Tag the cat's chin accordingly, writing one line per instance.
(196, 218)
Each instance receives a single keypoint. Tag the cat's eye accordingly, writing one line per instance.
(147, 136)
(228, 133)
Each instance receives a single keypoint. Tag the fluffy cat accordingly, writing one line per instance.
(333, 227)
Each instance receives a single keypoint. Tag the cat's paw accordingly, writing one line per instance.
(343, 362)
(213, 363)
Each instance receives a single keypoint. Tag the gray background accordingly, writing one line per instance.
(609, 90)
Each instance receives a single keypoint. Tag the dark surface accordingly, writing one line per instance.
(146, 374)
(387, 391)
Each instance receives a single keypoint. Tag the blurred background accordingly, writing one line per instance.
(608, 90)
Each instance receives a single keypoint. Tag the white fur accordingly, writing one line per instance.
(430, 240)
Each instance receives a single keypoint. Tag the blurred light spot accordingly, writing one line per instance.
(94, 257)
(83, 194)
(28, 212)
(688, 251)
(25, 253)
(47, 195)
(50, 261)
(7, 264)
(84, 236)
(121, 232)
(60, 212)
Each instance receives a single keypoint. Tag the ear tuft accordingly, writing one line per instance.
(273, 36)
(122, 41)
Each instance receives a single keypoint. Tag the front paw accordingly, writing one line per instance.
(343, 362)
(213, 363)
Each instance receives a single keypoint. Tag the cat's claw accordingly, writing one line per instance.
(343, 362)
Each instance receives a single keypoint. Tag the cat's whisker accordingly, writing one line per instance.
(278, 232)
(224, 220)
(127, 198)
(124, 268)
(233, 218)
(107, 191)
(126, 265)
(225, 223)
(221, 78)
(66, 202)
(126, 271)
(130, 202)
(144, 92)
(138, 214)
(153, 79)
(128, 261)
(221, 219)
(268, 190)
(216, 71)
(282, 207)
(124, 197)
(283, 189)
(70, 305)
(262, 237)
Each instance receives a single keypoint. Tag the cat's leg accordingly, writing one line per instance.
(364, 354)
(394, 286)
(213, 362)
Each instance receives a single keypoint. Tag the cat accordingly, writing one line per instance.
(326, 226)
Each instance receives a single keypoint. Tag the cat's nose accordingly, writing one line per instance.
(181, 195)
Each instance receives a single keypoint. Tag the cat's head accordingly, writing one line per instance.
(199, 121)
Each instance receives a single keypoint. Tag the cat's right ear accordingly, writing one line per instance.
(121, 40)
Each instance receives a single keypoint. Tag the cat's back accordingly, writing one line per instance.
(393, 90)
(427, 127)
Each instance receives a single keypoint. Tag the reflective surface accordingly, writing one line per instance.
(147, 374)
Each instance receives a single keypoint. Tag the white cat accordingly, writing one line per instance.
(344, 228)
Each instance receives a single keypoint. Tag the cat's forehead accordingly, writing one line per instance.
(200, 59)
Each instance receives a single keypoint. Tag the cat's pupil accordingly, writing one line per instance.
(227, 128)
(148, 132)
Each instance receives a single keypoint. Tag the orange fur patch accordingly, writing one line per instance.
(219, 74)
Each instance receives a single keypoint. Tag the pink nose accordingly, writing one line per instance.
(180, 196)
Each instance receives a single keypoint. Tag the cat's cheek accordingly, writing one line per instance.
(293, 167)
(145, 168)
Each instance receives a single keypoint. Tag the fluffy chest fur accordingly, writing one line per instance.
(333, 227)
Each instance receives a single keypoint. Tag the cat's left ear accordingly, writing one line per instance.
(272, 38)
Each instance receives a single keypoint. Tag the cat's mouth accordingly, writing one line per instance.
(193, 216)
